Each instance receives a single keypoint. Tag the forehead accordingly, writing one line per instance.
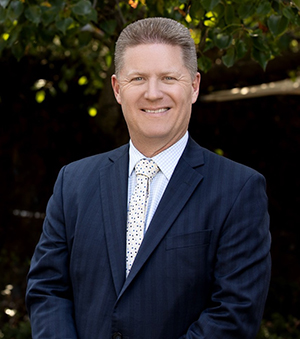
(153, 56)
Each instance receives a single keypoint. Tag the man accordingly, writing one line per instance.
(193, 260)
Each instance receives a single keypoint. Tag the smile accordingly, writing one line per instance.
(160, 110)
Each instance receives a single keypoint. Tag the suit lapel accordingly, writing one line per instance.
(184, 181)
(113, 184)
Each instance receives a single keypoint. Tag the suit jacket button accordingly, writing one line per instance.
(117, 335)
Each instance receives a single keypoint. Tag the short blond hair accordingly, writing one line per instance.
(157, 30)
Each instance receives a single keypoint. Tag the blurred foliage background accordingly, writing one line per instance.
(56, 106)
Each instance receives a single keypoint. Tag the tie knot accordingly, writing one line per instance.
(147, 168)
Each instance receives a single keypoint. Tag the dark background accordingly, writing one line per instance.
(36, 140)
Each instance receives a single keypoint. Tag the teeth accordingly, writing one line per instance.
(155, 110)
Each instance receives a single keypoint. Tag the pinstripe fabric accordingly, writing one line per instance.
(202, 271)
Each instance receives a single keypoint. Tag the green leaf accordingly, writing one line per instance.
(276, 6)
(63, 86)
(277, 24)
(84, 38)
(58, 3)
(15, 9)
(160, 7)
(204, 63)
(209, 4)
(246, 10)
(49, 14)
(93, 16)
(229, 14)
(241, 49)
(264, 8)
(260, 44)
(14, 35)
(261, 57)
(196, 10)
(230, 57)
(284, 42)
(2, 45)
(222, 41)
(64, 24)
(33, 13)
(209, 43)
(297, 20)
(83, 7)
(297, 3)
(108, 26)
(210, 19)
(4, 3)
(288, 13)
(27, 32)
(108, 60)
(40, 96)
(46, 36)
(219, 11)
(82, 20)
(17, 51)
(2, 14)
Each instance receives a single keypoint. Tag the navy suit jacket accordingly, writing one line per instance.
(202, 270)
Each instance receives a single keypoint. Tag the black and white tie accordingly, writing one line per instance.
(145, 171)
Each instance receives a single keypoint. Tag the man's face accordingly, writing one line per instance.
(156, 93)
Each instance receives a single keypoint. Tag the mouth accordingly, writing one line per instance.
(156, 111)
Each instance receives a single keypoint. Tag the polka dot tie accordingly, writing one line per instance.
(145, 171)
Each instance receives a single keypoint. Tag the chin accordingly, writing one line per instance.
(157, 135)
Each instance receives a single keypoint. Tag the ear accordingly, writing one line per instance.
(196, 87)
(116, 88)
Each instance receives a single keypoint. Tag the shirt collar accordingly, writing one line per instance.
(166, 160)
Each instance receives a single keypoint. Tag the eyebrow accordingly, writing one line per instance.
(138, 73)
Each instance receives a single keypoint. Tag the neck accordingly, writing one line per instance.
(150, 147)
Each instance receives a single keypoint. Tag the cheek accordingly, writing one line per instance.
(129, 97)
(131, 118)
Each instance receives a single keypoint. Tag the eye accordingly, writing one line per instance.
(169, 78)
(138, 79)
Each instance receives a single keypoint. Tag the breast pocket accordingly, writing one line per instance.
(197, 239)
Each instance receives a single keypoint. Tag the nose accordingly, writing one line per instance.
(153, 90)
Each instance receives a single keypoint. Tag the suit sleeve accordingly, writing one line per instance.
(49, 293)
(242, 268)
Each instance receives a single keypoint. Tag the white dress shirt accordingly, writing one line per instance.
(166, 161)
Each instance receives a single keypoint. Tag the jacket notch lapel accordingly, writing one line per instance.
(113, 181)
